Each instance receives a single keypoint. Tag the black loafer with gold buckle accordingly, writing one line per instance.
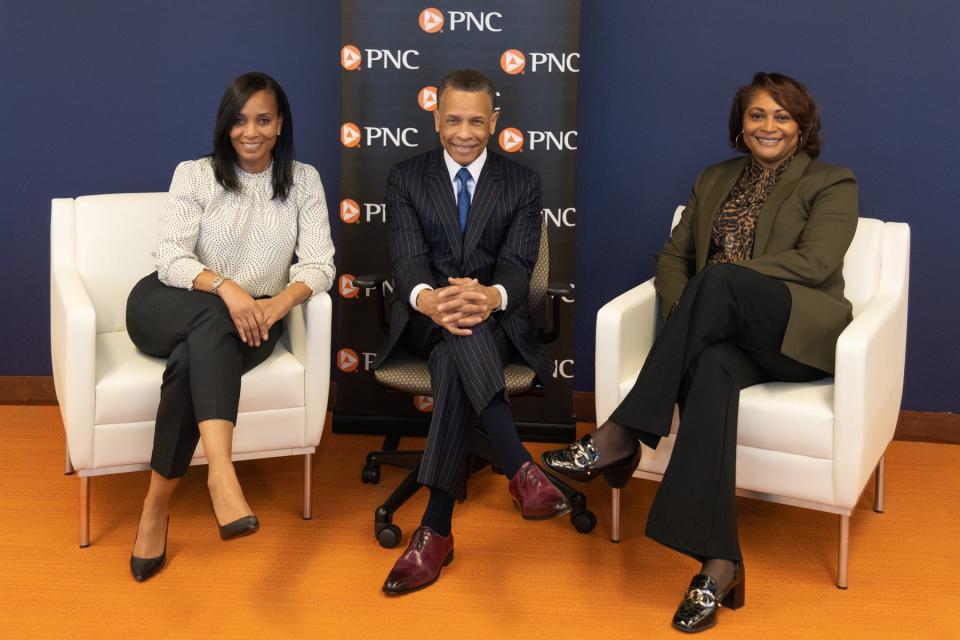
(698, 610)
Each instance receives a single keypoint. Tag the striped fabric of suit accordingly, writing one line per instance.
(499, 246)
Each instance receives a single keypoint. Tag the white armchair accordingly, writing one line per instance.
(108, 391)
(811, 445)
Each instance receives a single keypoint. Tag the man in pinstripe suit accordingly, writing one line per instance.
(464, 226)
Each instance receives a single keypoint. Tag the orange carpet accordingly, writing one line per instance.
(511, 578)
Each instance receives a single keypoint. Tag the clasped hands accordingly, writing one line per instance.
(253, 318)
(463, 304)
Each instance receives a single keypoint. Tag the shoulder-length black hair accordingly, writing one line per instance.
(225, 156)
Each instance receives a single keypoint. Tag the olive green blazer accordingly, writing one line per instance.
(803, 232)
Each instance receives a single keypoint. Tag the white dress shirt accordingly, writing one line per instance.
(453, 167)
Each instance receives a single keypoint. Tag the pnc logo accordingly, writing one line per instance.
(427, 98)
(349, 211)
(350, 135)
(431, 20)
(350, 58)
(347, 360)
(347, 288)
(511, 140)
(513, 61)
(424, 404)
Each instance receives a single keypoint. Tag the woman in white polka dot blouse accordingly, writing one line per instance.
(244, 238)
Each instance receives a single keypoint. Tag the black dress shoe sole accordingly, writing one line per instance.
(400, 592)
(696, 629)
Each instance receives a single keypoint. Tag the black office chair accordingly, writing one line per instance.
(406, 373)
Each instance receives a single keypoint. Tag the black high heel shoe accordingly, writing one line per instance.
(698, 609)
(579, 462)
(240, 527)
(144, 568)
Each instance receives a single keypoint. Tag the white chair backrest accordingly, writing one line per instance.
(861, 264)
(114, 237)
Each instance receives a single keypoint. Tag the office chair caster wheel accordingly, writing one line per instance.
(371, 473)
(389, 535)
(583, 520)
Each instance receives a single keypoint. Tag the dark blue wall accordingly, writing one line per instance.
(656, 84)
(108, 96)
(104, 97)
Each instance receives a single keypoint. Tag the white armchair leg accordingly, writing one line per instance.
(615, 516)
(67, 465)
(307, 486)
(84, 512)
(844, 551)
(878, 477)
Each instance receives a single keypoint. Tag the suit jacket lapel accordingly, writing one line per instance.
(440, 191)
(485, 196)
(711, 203)
(768, 213)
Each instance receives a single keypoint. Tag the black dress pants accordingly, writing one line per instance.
(723, 336)
(205, 359)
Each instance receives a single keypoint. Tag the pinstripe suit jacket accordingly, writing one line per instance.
(499, 246)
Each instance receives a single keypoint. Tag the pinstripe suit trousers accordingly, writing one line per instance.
(466, 372)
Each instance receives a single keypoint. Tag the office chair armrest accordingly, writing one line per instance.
(369, 280)
(557, 291)
(375, 281)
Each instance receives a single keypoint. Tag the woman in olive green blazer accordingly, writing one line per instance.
(800, 244)
(751, 288)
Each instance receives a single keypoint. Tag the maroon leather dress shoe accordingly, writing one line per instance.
(535, 495)
(420, 564)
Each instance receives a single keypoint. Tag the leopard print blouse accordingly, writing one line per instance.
(735, 226)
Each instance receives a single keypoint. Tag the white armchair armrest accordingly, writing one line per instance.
(308, 327)
(73, 347)
(868, 382)
(626, 327)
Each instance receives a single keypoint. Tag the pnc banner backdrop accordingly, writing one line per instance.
(393, 55)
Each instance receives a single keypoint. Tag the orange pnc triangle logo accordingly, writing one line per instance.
(350, 135)
(347, 288)
(427, 98)
(511, 140)
(347, 360)
(513, 61)
(431, 20)
(349, 211)
(424, 404)
(350, 58)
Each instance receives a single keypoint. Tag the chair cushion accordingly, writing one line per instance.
(128, 382)
(789, 417)
(408, 374)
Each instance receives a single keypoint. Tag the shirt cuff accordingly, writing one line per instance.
(416, 291)
(503, 296)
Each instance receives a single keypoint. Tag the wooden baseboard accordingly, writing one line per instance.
(917, 426)
(927, 426)
(27, 390)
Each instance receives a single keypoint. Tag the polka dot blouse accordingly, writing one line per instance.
(245, 236)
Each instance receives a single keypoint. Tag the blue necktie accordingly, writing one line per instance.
(463, 197)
